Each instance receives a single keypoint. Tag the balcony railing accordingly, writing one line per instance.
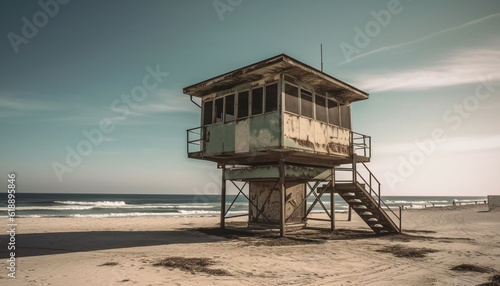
(361, 144)
(194, 140)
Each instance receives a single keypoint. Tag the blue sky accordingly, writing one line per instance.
(430, 67)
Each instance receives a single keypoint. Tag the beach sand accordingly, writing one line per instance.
(123, 251)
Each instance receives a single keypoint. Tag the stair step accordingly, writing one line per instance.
(360, 199)
(348, 186)
(348, 195)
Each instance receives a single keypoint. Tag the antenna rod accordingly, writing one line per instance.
(321, 48)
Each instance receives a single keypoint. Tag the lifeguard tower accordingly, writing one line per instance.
(282, 129)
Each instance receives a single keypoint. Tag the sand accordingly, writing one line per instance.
(124, 251)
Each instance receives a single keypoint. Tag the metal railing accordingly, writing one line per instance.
(371, 184)
(361, 144)
(374, 192)
(194, 140)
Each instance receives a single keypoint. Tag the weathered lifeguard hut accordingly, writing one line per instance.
(283, 129)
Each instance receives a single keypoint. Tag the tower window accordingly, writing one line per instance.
(291, 98)
(242, 104)
(321, 108)
(219, 107)
(345, 116)
(306, 103)
(257, 100)
(333, 112)
(207, 112)
(272, 97)
(229, 113)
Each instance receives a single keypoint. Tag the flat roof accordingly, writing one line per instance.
(277, 65)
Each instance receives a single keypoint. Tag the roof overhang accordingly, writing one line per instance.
(277, 65)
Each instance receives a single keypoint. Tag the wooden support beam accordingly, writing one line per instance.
(332, 201)
(400, 219)
(282, 198)
(223, 199)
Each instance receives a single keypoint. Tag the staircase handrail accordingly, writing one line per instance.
(356, 174)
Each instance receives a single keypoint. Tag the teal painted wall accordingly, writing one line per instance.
(259, 132)
(219, 139)
(265, 132)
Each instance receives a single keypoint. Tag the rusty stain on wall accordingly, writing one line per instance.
(292, 172)
(262, 191)
(314, 136)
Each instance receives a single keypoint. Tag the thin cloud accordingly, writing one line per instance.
(149, 151)
(9, 113)
(413, 42)
(452, 144)
(12, 106)
(108, 152)
(469, 66)
(471, 144)
(164, 101)
(395, 148)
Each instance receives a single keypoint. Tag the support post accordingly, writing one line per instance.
(282, 198)
(223, 199)
(349, 214)
(400, 219)
(332, 201)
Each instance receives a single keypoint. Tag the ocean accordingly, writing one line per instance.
(127, 205)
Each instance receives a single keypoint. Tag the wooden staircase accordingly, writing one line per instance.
(366, 207)
(362, 193)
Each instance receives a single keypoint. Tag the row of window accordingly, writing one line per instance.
(264, 99)
(258, 100)
(316, 106)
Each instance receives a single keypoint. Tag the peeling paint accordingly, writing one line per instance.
(220, 139)
(314, 136)
(242, 136)
(292, 172)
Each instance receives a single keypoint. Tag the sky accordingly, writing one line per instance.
(68, 122)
